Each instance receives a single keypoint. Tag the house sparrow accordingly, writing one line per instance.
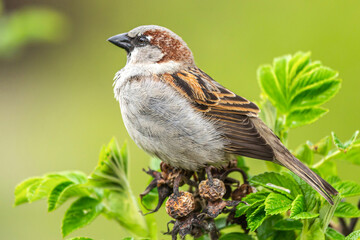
(176, 112)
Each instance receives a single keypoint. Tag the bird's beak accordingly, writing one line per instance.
(122, 40)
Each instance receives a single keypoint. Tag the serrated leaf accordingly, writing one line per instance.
(43, 189)
(256, 197)
(332, 234)
(288, 224)
(80, 213)
(241, 209)
(298, 64)
(111, 171)
(311, 197)
(278, 183)
(304, 116)
(337, 141)
(305, 154)
(277, 203)
(271, 87)
(353, 236)
(256, 217)
(347, 210)
(266, 230)
(235, 236)
(21, 190)
(298, 209)
(351, 140)
(74, 176)
(63, 192)
(55, 194)
(314, 75)
(316, 94)
(347, 188)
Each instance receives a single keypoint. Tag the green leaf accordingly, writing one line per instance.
(278, 183)
(241, 164)
(80, 213)
(351, 140)
(316, 94)
(323, 146)
(235, 236)
(352, 154)
(314, 232)
(277, 203)
(122, 206)
(270, 85)
(347, 144)
(256, 217)
(266, 230)
(63, 192)
(316, 74)
(337, 142)
(155, 164)
(311, 197)
(80, 238)
(111, 171)
(328, 168)
(332, 234)
(288, 224)
(304, 116)
(241, 209)
(284, 235)
(256, 197)
(347, 188)
(21, 190)
(294, 83)
(55, 193)
(298, 209)
(347, 210)
(353, 236)
(305, 154)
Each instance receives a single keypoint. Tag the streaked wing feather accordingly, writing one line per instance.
(230, 112)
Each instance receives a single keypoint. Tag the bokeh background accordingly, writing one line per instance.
(56, 69)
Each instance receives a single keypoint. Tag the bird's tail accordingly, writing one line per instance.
(286, 159)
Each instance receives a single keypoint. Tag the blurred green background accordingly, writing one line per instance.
(56, 70)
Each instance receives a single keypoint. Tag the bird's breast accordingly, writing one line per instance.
(163, 123)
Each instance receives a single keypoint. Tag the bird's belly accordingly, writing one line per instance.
(164, 124)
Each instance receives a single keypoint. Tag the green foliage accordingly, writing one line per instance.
(297, 87)
(283, 207)
(82, 212)
(106, 191)
(30, 25)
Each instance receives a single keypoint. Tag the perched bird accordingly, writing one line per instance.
(175, 111)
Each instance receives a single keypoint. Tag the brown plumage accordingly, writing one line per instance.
(159, 59)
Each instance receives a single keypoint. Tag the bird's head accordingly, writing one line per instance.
(153, 45)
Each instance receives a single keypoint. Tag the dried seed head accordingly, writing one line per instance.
(242, 191)
(212, 191)
(181, 205)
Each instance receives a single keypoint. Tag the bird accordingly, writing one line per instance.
(175, 111)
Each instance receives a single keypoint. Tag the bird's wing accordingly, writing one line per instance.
(231, 113)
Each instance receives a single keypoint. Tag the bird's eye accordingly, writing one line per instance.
(142, 41)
